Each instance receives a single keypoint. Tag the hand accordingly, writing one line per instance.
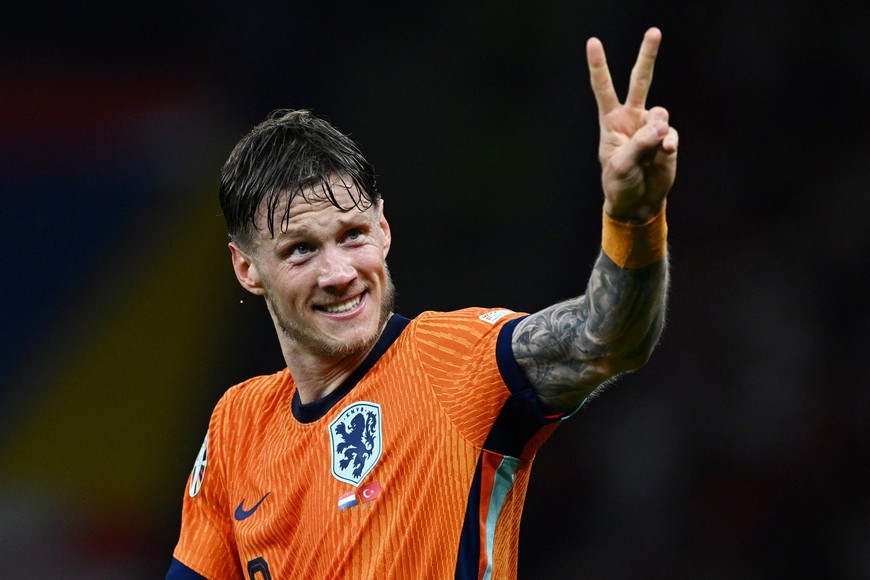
(638, 148)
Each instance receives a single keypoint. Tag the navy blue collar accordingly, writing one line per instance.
(314, 410)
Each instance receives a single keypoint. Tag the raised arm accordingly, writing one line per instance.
(570, 349)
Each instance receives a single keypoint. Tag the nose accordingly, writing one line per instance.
(336, 268)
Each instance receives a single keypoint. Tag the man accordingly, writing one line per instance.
(396, 448)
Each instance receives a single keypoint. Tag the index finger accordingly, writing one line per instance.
(642, 73)
(599, 77)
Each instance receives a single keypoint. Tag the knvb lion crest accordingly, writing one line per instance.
(356, 442)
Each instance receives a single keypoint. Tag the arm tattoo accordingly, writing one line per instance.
(572, 348)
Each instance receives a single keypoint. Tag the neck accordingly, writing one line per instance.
(316, 377)
(317, 374)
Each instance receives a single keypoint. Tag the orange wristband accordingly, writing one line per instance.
(633, 246)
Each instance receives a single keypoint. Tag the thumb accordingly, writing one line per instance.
(644, 144)
(629, 162)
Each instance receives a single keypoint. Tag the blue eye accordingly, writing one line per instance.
(300, 249)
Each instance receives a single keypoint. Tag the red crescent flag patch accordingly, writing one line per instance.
(370, 492)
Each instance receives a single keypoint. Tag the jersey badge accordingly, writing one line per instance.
(494, 316)
(198, 473)
(356, 442)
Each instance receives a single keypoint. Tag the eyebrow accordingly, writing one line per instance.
(344, 220)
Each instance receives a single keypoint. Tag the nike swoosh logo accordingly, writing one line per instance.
(243, 514)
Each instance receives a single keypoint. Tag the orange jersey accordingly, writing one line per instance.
(416, 467)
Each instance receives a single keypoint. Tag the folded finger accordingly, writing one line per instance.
(658, 114)
(643, 145)
(671, 141)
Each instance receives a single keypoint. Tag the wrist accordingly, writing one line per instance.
(636, 215)
(635, 244)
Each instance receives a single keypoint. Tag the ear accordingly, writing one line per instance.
(385, 229)
(246, 271)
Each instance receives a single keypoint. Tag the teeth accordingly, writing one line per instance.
(343, 306)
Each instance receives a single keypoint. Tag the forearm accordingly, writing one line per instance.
(571, 348)
(626, 313)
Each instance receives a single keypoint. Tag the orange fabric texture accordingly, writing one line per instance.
(439, 391)
(633, 246)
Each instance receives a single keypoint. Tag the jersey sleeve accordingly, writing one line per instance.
(206, 546)
(468, 359)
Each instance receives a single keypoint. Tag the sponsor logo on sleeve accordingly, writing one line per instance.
(198, 473)
(494, 316)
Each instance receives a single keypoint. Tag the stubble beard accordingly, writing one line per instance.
(314, 344)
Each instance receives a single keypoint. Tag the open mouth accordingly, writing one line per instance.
(341, 307)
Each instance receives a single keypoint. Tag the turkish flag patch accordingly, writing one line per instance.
(370, 492)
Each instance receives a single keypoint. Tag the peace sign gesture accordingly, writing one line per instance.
(638, 148)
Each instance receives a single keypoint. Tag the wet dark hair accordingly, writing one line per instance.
(285, 155)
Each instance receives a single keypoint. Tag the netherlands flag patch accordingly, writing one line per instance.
(347, 500)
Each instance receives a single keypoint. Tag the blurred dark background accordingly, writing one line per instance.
(740, 451)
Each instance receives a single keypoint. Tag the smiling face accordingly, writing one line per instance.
(323, 275)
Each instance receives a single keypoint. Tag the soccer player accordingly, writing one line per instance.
(397, 448)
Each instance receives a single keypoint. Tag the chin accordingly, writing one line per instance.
(351, 337)
(348, 347)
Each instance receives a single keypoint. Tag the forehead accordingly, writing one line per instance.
(313, 203)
